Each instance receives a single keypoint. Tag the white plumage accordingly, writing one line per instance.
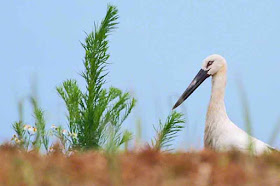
(220, 132)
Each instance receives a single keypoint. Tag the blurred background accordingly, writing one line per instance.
(155, 53)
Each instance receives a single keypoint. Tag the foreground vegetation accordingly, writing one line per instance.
(147, 167)
(94, 116)
(88, 150)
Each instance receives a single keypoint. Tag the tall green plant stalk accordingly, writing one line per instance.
(274, 133)
(97, 114)
(246, 116)
(41, 137)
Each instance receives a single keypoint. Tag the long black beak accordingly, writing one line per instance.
(199, 78)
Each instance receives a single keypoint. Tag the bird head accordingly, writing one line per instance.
(213, 64)
(210, 67)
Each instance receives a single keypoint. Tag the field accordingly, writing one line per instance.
(146, 167)
(91, 148)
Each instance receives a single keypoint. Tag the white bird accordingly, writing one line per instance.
(221, 134)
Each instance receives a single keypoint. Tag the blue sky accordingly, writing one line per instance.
(156, 51)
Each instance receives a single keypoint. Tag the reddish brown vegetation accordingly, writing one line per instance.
(145, 168)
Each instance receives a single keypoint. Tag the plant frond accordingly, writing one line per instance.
(167, 131)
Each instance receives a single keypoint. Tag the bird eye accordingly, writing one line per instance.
(209, 63)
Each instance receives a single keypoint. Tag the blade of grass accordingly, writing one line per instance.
(246, 116)
(275, 133)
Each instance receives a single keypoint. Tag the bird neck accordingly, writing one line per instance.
(217, 105)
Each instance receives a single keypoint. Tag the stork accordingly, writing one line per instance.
(221, 134)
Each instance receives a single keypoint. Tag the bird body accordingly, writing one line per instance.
(221, 133)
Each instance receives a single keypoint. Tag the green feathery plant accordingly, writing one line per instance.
(18, 138)
(41, 137)
(31, 137)
(167, 131)
(97, 114)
